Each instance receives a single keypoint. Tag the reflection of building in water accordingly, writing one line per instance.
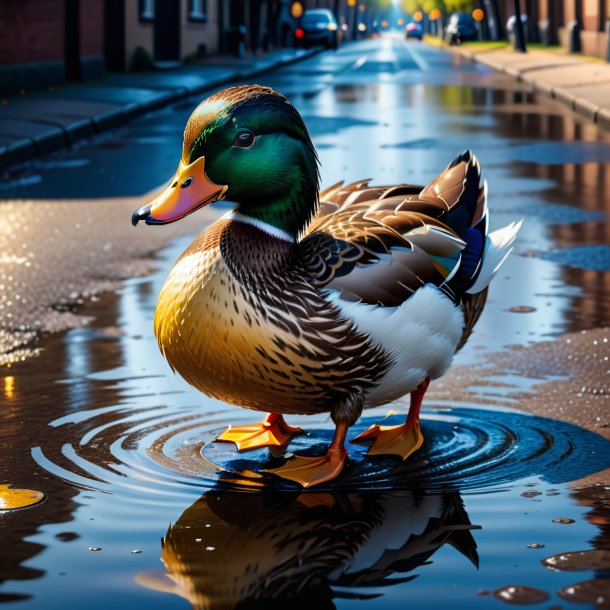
(33, 399)
(257, 550)
(578, 183)
(586, 187)
(596, 499)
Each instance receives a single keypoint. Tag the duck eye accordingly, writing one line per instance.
(186, 183)
(244, 139)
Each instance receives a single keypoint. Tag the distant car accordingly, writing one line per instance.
(414, 30)
(318, 27)
(461, 28)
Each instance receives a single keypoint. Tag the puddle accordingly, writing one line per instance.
(114, 442)
(594, 258)
(134, 516)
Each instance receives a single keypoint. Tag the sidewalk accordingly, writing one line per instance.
(581, 84)
(43, 121)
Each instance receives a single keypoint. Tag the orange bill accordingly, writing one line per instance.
(189, 190)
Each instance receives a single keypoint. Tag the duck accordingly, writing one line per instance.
(303, 301)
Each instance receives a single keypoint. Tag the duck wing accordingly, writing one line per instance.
(378, 245)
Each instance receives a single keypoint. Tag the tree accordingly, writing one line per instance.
(458, 6)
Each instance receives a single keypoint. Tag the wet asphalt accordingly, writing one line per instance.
(93, 418)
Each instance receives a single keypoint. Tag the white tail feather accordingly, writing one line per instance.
(497, 248)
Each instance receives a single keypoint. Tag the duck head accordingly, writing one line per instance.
(250, 145)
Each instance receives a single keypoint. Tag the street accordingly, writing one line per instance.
(95, 419)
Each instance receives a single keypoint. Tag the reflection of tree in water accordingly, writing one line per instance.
(238, 550)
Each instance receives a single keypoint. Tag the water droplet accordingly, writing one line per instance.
(564, 520)
(67, 536)
(596, 559)
(521, 595)
(594, 592)
(135, 551)
(95, 548)
(531, 494)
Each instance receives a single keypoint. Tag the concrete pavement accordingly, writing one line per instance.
(43, 121)
(580, 83)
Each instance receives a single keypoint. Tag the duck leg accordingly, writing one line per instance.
(273, 432)
(400, 440)
(309, 471)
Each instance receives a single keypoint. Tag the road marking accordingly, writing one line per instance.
(422, 64)
(358, 63)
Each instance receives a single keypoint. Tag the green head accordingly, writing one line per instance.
(255, 146)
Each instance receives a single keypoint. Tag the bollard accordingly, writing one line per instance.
(574, 36)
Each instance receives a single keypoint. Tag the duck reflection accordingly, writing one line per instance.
(240, 550)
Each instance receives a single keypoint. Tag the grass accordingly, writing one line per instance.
(493, 45)
(435, 41)
(474, 46)
(485, 45)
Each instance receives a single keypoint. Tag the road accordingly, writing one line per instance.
(93, 417)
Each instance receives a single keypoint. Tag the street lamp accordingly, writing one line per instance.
(296, 10)
(478, 15)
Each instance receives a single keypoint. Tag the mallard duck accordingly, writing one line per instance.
(300, 301)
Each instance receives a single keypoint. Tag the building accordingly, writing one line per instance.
(577, 25)
(591, 17)
(45, 42)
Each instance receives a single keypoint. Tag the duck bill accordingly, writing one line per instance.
(189, 190)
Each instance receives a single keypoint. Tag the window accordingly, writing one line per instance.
(146, 10)
(197, 10)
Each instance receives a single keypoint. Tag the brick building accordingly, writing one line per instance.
(592, 16)
(44, 42)
(578, 25)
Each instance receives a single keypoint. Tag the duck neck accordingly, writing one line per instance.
(285, 217)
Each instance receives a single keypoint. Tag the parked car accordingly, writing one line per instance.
(461, 28)
(318, 27)
(414, 30)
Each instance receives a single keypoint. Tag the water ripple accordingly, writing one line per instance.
(171, 454)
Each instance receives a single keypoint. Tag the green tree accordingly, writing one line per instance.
(458, 6)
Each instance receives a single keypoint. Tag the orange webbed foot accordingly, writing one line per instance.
(310, 471)
(273, 432)
(400, 440)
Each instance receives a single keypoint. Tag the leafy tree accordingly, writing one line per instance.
(458, 6)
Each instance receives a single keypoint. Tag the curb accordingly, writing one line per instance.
(51, 135)
(582, 106)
